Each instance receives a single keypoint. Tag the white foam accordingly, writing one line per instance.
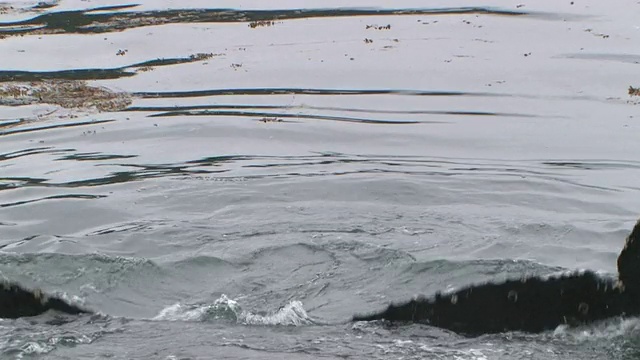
(401, 348)
(72, 299)
(71, 339)
(33, 347)
(222, 308)
(292, 314)
(607, 329)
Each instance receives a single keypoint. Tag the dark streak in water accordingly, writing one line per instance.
(11, 123)
(344, 92)
(410, 166)
(23, 181)
(422, 112)
(28, 152)
(624, 58)
(90, 74)
(322, 108)
(278, 167)
(202, 107)
(88, 21)
(594, 164)
(144, 172)
(303, 91)
(349, 92)
(94, 156)
(76, 74)
(53, 197)
(48, 127)
(290, 116)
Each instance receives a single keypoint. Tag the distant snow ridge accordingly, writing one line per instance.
(292, 314)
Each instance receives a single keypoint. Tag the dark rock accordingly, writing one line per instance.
(533, 304)
(16, 302)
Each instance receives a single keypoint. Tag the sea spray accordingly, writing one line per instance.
(224, 308)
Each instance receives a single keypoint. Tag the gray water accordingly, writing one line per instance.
(246, 203)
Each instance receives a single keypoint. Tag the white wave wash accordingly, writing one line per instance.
(178, 312)
(292, 314)
(72, 299)
(416, 349)
(222, 308)
(34, 348)
(606, 329)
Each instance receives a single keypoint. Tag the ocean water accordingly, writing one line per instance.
(238, 180)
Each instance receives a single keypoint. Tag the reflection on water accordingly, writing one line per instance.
(96, 74)
(18, 130)
(327, 164)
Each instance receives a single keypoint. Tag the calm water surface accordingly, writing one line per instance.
(260, 173)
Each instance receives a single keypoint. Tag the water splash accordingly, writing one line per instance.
(224, 308)
(292, 314)
(34, 348)
(607, 330)
(41, 342)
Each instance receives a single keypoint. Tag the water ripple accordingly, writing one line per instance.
(325, 164)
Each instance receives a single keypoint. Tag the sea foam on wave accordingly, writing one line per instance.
(292, 314)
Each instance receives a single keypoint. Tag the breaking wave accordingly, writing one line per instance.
(607, 330)
(225, 309)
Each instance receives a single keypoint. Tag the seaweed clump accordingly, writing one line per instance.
(261, 23)
(64, 93)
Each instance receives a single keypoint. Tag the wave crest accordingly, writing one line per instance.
(224, 308)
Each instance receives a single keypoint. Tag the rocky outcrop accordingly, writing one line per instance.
(531, 304)
(16, 302)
